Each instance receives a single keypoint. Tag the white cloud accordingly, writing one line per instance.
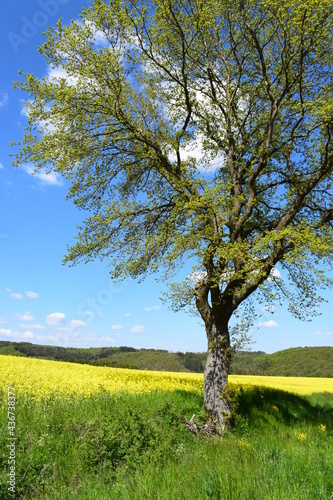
(329, 333)
(100, 313)
(197, 276)
(42, 124)
(98, 36)
(127, 315)
(107, 340)
(152, 308)
(275, 273)
(76, 323)
(196, 150)
(138, 329)
(3, 320)
(6, 331)
(63, 330)
(50, 178)
(206, 160)
(270, 309)
(46, 178)
(55, 319)
(32, 295)
(9, 290)
(117, 327)
(57, 74)
(317, 333)
(25, 317)
(25, 108)
(16, 296)
(269, 324)
(28, 335)
(35, 326)
(88, 313)
(4, 100)
(1, 165)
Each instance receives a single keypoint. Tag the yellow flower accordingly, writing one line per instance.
(244, 444)
(322, 427)
(300, 436)
(44, 380)
(275, 409)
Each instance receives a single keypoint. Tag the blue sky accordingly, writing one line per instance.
(42, 301)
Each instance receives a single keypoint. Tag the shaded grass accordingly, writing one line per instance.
(137, 447)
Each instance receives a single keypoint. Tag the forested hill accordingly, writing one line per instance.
(296, 362)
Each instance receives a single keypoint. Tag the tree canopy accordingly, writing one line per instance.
(198, 130)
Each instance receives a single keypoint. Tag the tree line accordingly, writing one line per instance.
(294, 362)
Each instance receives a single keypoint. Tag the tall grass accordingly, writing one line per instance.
(137, 447)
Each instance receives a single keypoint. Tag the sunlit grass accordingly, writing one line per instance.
(137, 447)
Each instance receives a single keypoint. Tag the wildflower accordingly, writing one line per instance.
(244, 444)
(300, 436)
(322, 427)
(275, 409)
(180, 449)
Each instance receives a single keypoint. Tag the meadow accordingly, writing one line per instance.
(84, 432)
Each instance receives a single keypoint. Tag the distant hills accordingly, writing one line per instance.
(295, 362)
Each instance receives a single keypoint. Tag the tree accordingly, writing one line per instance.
(195, 130)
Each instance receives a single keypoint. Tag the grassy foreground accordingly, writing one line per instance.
(136, 446)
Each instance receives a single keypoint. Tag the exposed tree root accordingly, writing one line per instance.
(211, 428)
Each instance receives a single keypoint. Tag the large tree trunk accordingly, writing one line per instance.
(216, 374)
(216, 320)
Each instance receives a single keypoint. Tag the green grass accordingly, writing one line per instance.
(137, 447)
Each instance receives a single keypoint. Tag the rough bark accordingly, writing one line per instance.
(216, 374)
(218, 358)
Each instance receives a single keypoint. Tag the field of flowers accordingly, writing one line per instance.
(297, 385)
(42, 379)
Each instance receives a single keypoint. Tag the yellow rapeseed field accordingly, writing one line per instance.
(43, 379)
(296, 385)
